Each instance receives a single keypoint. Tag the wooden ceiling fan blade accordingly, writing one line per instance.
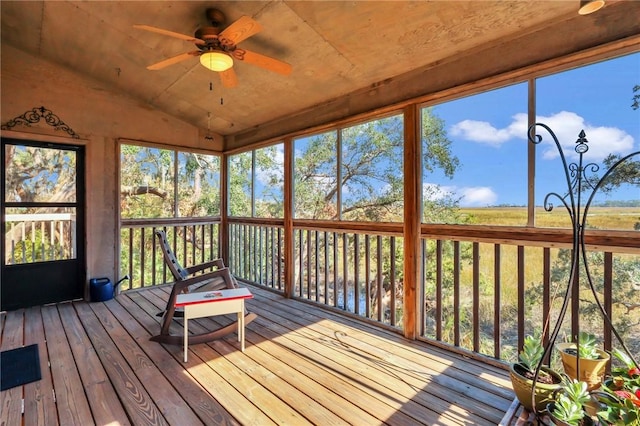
(229, 78)
(174, 60)
(266, 62)
(170, 34)
(240, 30)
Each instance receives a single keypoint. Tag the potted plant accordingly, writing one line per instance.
(592, 360)
(620, 395)
(569, 407)
(523, 372)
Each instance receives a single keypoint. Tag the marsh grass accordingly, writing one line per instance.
(618, 218)
(532, 273)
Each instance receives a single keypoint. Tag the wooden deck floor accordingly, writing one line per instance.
(302, 365)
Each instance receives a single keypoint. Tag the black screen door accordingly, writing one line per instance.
(43, 257)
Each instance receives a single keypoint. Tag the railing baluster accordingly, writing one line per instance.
(456, 293)
(142, 258)
(392, 279)
(607, 301)
(280, 259)
(131, 256)
(52, 246)
(497, 305)
(476, 297)
(33, 241)
(309, 274)
(546, 292)
(316, 255)
(520, 261)
(43, 240)
(335, 269)
(367, 274)
(356, 274)
(345, 269)
(439, 292)
(380, 289)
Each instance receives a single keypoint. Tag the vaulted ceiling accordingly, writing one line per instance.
(341, 52)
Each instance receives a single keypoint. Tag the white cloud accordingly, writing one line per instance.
(468, 196)
(602, 140)
(477, 196)
(484, 132)
(566, 125)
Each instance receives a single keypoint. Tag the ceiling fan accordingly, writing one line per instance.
(217, 48)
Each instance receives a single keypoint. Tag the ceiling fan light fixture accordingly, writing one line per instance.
(216, 61)
(590, 6)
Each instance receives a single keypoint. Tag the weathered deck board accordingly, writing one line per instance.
(12, 327)
(302, 365)
(103, 400)
(205, 407)
(71, 400)
(40, 408)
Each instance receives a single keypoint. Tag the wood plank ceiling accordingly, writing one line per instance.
(342, 50)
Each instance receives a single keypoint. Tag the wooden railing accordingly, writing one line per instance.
(41, 237)
(193, 241)
(483, 288)
(256, 253)
(486, 288)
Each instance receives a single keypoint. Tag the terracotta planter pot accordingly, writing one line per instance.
(522, 388)
(591, 370)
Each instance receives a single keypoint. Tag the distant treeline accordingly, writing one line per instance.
(618, 203)
(611, 203)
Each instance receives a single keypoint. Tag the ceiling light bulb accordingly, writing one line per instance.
(590, 6)
(216, 61)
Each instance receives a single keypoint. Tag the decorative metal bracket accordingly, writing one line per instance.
(35, 115)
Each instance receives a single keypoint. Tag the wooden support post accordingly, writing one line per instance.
(412, 220)
(223, 234)
(288, 219)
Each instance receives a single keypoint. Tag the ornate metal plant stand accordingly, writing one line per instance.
(580, 187)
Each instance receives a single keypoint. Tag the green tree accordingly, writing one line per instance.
(38, 174)
(370, 178)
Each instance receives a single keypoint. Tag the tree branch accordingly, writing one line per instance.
(130, 191)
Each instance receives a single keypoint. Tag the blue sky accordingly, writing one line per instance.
(489, 132)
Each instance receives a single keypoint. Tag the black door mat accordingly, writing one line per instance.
(19, 366)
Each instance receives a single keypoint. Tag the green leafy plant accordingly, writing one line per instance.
(530, 357)
(587, 346)
(570, 401)
(620, 395)
(531, 353)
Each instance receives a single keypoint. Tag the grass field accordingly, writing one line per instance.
(618, 218)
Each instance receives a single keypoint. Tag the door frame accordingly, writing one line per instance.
(64, 279)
